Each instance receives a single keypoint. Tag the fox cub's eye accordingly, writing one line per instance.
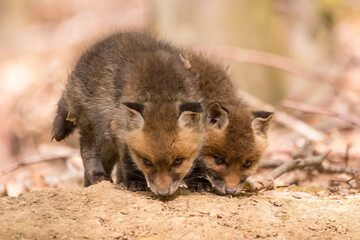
(147, 162)
(178, 161)
(219, 160)
(247, 164)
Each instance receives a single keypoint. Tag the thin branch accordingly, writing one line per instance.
(335, 182)
(288, 152)
(270, 163)
(321, 110)
(268, 181)
(37, 159)
(346, 157)
(323, 168)
(264, 58)
(332, 168)
(273, 60)
(357, 179)
(307, 149)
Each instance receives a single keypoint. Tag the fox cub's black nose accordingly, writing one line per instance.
(229, 191)
(163, 193)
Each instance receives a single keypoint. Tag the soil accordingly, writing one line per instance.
(107, 211)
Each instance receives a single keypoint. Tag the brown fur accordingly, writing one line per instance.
(233, 132)
(171, 143)
(133, 98)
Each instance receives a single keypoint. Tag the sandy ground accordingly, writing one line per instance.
(106, 211)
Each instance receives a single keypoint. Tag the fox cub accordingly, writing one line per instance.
(235, 136)
(134, 102)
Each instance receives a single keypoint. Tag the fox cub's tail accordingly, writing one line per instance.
(64, 123)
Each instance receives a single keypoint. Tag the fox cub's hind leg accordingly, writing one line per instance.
(90, 153)
(64, 124)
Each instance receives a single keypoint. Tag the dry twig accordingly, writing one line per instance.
(276, 61)
(307, 149)
(332, 168)
(357, 179)
(321, 110)
(335, 182)
(37, 159)
(268, 181)
(323, 168)
(346, 157)
(302, 158)
(270, 163)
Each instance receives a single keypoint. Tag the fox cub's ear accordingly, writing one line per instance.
(216, 116)
(134, 115)
(261, 121)
(190, 114)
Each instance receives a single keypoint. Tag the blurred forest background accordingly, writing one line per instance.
(300, 58)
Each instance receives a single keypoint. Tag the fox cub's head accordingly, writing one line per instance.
(235, 141)
(164, 140)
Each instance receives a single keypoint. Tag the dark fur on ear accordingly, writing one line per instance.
(134, 115)
(135, 106)
(190, 115)
(261, 121)
(217, 116)
(190, 106)
(261, 114)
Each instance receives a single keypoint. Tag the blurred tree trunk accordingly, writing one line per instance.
(237, 23)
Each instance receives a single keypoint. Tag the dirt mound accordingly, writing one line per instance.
(106, 211)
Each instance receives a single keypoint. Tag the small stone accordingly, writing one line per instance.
(315, 227)
(124, 212)
(116, 235)
(277, 204)
(212, 214)
(14, 189)
(261, 234)
(342, 229)
(300, 195)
